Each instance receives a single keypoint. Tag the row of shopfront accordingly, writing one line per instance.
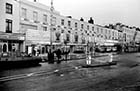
(11, 42)
(39, 41)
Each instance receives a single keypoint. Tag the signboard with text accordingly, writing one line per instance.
(38, 36)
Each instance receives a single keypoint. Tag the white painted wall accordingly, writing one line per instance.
(14, 17)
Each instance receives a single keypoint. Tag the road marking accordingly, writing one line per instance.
(76, 67)
(62, 75)
(56, 70)
(30, 74)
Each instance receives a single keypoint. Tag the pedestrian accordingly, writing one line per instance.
(50, 56)
(63, 54)
(58, 54)
(67, 51)
(34, 52)
(88, 58)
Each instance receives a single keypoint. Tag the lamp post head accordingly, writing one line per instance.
(52, 7)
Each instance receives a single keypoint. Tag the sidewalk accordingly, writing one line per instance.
(82, 62)
(78, 56)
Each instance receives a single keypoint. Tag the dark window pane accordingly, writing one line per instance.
(9, 8)
(8, 26)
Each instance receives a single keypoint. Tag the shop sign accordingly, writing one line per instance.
(38, 36)
(13, 37)
(4, 37)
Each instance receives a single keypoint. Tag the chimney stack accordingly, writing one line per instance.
(35, 0)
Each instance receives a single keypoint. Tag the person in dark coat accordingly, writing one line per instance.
(50, 56)
(34, 52)
(58, 54)
(62, 53)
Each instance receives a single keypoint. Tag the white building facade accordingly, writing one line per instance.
(32, 21)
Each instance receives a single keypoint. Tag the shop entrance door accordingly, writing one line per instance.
(4, 48)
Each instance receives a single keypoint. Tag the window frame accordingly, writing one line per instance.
(45, 28)
(62, 22)
(24, 13)
(9, 25)
(35, 15)
(9, 8)
(69, 23)
(82, 26)
(45, 18)
(76, 25)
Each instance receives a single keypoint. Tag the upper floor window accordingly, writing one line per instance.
(62, 22)
(97, 30)
(76, 25)
(92, 28)
(69, 23)
(45, 18)
(82, 26)
(87, 27)
(113, 33)
(53, 21)
(101, 30)
(24, 13)
(9, 8)
(44, 28)
(35, 16)
(106, 31)
(8, 26)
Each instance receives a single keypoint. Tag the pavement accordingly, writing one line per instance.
(79, 56)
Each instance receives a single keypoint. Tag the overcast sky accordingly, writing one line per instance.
(102, 11)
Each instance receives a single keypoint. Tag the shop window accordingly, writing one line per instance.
(8, 26)
(0, 48)
(9, 47)
(9, 8)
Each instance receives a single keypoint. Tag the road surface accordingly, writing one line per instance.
(70, 76)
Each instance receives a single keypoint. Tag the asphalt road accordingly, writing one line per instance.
(70, 76)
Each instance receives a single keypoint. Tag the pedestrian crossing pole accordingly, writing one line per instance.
(88, 55)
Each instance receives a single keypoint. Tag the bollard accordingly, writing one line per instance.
(88, 60)
(111, 57)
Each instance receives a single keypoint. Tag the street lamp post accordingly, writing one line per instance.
(51, 22)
